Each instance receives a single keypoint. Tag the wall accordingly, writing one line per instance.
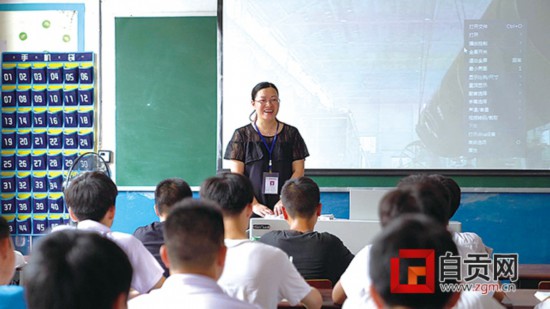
(509, 222)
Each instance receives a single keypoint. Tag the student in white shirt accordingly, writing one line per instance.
(91, 200)
(194, 251)
(254, 272)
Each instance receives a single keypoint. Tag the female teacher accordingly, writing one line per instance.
(267, 151)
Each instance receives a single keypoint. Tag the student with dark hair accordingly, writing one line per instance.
(467, 242)
(90, 199)
(254, 272)
(409, 232)
(194, 251)
(316, 255)
(167, 193)
(77, 269)
(11, 296)
(422, 197)
(267, 151)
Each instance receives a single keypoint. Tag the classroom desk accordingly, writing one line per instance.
(529, 275)
(520, 299)
(327, 301)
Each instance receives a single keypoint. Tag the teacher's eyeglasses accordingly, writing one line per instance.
(272, 101)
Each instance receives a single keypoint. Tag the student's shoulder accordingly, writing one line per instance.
(143, 231)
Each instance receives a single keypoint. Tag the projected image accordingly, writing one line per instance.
(397, 84)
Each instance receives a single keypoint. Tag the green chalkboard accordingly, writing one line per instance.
(166, 96)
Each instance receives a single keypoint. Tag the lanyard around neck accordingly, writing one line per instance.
(269, 148)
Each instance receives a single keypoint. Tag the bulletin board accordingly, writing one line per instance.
(47, 121)
(48, 111)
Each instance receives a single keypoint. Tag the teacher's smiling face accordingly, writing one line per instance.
(266, 104)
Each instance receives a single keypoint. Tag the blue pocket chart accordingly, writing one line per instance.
(86, 97)
(24, 119)
(9, 120)
(9, 76)
(24, 162)
(23, 75)
(55, 140)
(39, 225)
(54, 97)
(39, 119)
(39, 205)
(8, 140)
(39, 184)
(47, 120)
(8, 205)
(55, 161)
(24, 184)
(8, 98)
(39, 75)
(23, 226)
(70, 140)
(39, 140)
(24, 205)
(39, 162)
(70, 98)
(55, 119)
(24, 140)
(70, 119)
(39, 98)
(55, 204)
(8, 162)
(23, 98)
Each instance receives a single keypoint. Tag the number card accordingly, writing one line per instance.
(8, 205)
(47, 120)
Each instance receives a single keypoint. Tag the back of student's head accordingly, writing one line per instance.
(76, 269)
(395, 203)
(193, 234)
(170, 191)
(431, 193)
(454, 192)
(421, 197)
(90, 195)
(409, 231)
(233, 192)
(300, 197)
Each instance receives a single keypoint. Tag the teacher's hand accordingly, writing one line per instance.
(261, 210)
(278, 209)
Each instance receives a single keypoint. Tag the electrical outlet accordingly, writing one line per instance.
(106, 155)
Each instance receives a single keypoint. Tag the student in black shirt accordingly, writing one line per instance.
(315, 255)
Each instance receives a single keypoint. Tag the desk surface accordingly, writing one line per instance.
(327, 301)
(521, 299)
(534, 271)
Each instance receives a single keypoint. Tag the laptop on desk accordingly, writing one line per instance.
(355, 234)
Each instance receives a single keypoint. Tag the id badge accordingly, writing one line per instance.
(270, 183)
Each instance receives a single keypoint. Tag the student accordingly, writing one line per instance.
(354, 284)
(167, 193)
(253, 272)
(416, 231)
(409, 232)
(195, 253)
(426, 198)
(91, 199)
(77, 269)
(11, 296)
(466, 241)
(316, 255)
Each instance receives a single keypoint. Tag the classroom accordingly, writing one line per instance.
(159, 96)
